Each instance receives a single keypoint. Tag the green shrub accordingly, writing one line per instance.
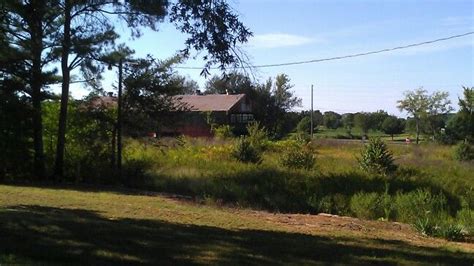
(409, 207)
(297, 156)
(300, 137)
(244, 151)
(425, 226)
(465, 217)
(335, 204)
(445, 228)
(464, 152)
(375, 158)
(366, 205)
(257, 136)
(304, 125)
(450, 231)
(222, 131)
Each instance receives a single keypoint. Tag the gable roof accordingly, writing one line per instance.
(210, 102)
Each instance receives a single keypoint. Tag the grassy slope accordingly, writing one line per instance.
(85, 226)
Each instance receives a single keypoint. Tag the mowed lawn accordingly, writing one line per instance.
(87, 226)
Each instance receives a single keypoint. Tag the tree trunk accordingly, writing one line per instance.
(112, 148)
(66, 47)
(392, 136)
(36, 83)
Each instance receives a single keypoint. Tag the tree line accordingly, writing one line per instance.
(428, 114)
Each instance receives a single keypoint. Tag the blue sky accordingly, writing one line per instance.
(295, 30)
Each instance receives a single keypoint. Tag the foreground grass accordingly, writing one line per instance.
(52, 225)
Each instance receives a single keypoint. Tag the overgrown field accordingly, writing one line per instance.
(84, 226)
(429, 188)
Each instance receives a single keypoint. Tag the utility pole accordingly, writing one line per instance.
(119, 119)
(312, 126)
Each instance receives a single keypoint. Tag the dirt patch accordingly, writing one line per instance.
(335, 225)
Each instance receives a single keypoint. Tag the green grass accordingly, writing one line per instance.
(44, 225)
(207, 172)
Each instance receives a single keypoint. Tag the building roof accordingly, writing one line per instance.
(210, 102)
(103, 101)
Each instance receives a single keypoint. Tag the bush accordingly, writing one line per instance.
(304, 126)
(419, 204)
(298, 156)
(450, 231)
(244, 151)
(464, 152)
(222, 131)
(372, 205)
(366, 205)
(425, 226)
(257, 136)
(376, 158)
(446, 229)
(465, 217)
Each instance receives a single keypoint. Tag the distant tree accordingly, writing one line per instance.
(362, 121)
(183, 85)
(393, 125)
(149, 87)
(284, 97)
(416, 104)
(466, 113)
(304, 126)
(377, 118)
(348, 122)
(461, 126)
(318, 118)
(273, 100)
(439, 105)
(233, 83)
(425, 108)
(331, 120)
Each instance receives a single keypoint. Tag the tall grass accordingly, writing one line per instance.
(428, 183)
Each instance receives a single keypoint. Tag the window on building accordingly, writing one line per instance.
(241, 118)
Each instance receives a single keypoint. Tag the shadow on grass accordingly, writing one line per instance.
(294, 191)
(52, 235)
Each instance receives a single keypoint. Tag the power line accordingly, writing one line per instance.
(345, 56)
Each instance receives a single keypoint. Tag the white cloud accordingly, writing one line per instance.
(277, 40)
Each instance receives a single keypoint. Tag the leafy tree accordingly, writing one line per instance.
(466, 114)
(283, 101)
(362, 121)
(439, 105)
(284, 98)
(184, 85)
(425, 108)
(90, 138)
(331, 119)
(87, 32)
(304, 126)
(148, 99)
(377, 118)
(76, 32)
(233, 83)
(416, 104)
(393, 125)
(348, 122)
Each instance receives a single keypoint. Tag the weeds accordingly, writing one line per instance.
(212, 172)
